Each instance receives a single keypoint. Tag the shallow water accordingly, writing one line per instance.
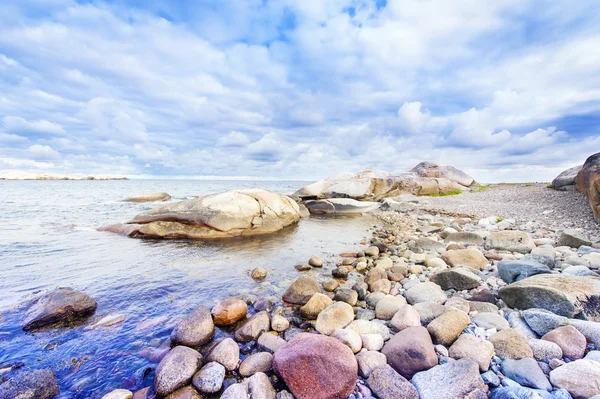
(48, 239)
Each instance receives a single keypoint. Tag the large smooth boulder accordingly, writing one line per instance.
(588, 182)
(581, 378)
(341, 206)
(232, 213)
(440, 170)
(455, 379)
(176, 370)
(563, 295)
(195, 329)
(58, 307)
(516, 270)
(410, 351)
(565, 181)
(386, 383)
(34, 384)
(315, 366)
(154, 197)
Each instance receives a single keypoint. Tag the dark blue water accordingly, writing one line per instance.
(48, 239)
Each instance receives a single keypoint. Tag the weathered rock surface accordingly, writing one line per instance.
(316, 367)
(410, 351)
(58, 307)
(510, 240)
(176, 370)
(229, 214)
(565, 181)
(154, 197)
(386, 383)
(456, 379)
(195, 329)
(561, 294)
(33, 384)
(581, 378)
(588, 182)
(301, 290)
(511, 344)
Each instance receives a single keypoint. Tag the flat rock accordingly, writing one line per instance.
(176, 370)
(316, 367)
(195, 329)
(338, 315)
(31, 384)
(581, 378)
(469, 346)
(58, 307)
(510, 240)
(253, 327)
(386, 383)
(516, 270)
(526, 372)
(456, 379)
(341, 206)
(510, 344)
(301, 290)
(469, 257)
(154, 197)
(425, 292)
(410, 351)
(459, 278)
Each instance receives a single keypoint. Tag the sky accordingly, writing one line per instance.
(506, 90)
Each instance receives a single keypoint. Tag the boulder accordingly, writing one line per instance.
(565, 181)
(447, 327)
(210, 378)
(440, 170)
(459, 278)
(526, 372)
(229, 311)
(233, 213)
(542, 321)
(561, 294)
(195, 329)
(255, 363)
(341, 206)
(581, 378)
(510, 240)
(470, 257)
(405, 317)
(387, 307)
(455, 379)
(154, 197)
(572, 238)
(253, 327)
(545, 350)
(588, 182)
(176, 370)
(227, 353)
(58, 307)
(571, 342)
(369, 361)
(510, 344)
(469, 346)
(410, 351)
(386, 383)
(516, 270)
(315, 305)
(338, 315)
(301, 290)
(425, 292)
(31, 384)
(316, 367)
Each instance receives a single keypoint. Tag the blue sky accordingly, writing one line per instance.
(506, 90)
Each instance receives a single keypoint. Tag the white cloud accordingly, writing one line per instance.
(16, 124)
(411, 118)
(233, 139)
(43, 152)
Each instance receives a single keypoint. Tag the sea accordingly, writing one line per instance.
(49, 239)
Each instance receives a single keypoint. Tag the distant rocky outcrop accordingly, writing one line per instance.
(588, 182)
(228, 214)
(21, 175)
(427, 178)
(154, 197)
(566, 180)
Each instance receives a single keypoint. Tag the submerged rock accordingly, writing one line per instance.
(34, 384)
(60, 306)
(229, 214)
(197, 328)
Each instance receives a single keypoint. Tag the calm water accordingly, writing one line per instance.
(48, 239)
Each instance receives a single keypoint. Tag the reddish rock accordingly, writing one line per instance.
(588, 182)
(410, 351)
(316, 367)
(571, 341)
(229, 311)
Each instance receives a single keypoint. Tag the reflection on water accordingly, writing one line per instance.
(48, 239)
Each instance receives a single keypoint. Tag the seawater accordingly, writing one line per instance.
(48, 239)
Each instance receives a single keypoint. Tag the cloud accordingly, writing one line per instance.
(411, 118)
(43, 152)
(233, 139)
(15, 124)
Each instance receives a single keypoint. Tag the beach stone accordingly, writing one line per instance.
(153, 197)
(338, 315)
(510, 344)
(578, 271)
(60, 306)
(542, 321)
(340, 272)
(349, 338)
(236, 391)
(458, 303)
(227, 353)
(488, 307)
(394, 277)
(593, 355)
(447, 327)
(545, 350)
(176, 370)
(410, 351)
(210, 378)
(425, 292)
(369, 327)
(30, 384)
(369, 361)
(270, 342)
(510, 240)
(302, 267)
(315, 261)
(516, 270)
(330, 285)
(589, 329)
(258, 273)
(518, 323)
(428, 311)
(309, 361)
(384, 263)
(188, 392)
(561, 294)
(526, 372)
(405, 317)
(488, 320)
(571, 341)
(371, 251)
(301, 290)
(427, 244)
(346, 295)
(387, 307)
(469, 346)
(195, 329)
(260, 387)
(372, 342)
(253, 327)
(572, 238)
(229, 311)
(255, 363)
(580, 378)
(469, 257)
(465, 238)
(383, 286)
(119, 394)
(386, 383)
(376, 273)
(456, 379)
(315, 305)
(373, 298)
(458, 278)
(279, 323)
(435, 263)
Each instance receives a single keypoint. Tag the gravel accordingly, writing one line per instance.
(522, 202)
